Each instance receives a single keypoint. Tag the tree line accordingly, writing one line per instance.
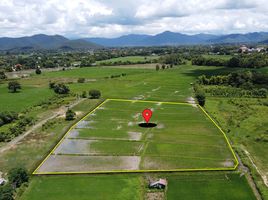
(240, 61)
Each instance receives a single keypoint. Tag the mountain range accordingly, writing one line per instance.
(58, 42)
(44, 42)
(172, 38)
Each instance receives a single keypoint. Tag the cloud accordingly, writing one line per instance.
(110, 18)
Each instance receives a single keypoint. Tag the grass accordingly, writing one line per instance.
(19, 101)
(209, 186)
(245, 120)
(118, 187)
(201, 186)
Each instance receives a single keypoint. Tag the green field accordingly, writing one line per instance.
(219, 186)
(85, 187)
(132, 59)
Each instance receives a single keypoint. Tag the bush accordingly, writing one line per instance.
(7, 117)
(70, 115)
(157, 67)
(2, 75)
(13, 86)
(18, 176)
(81, 80)
(94, 94)
(201, 98)
(38, 71)
(51, 85)
(61, 88)
(84, 94)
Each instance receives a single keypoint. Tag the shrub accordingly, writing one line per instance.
(84, 94)
(94, 94)
(38, 71)
(2, 75)
(81, 80)
(18, 176)
(70, 115)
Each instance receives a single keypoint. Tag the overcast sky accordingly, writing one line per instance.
(112, 18)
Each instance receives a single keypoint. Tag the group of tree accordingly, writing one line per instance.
(256, 60)
(17, 177)
(92, 94)
(245, 79)
(163, 66)
(172, 59)
(202, 61)
(250, 83)
(225, 91)
(59, 88)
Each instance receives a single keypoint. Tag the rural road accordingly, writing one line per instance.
(58, 112)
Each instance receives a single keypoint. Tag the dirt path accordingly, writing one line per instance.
(58, 112)
(263, 176)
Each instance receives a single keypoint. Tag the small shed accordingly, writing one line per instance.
(160, 184)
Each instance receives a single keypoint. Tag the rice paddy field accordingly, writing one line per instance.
(111, 139)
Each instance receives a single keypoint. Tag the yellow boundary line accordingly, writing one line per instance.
(137, 171)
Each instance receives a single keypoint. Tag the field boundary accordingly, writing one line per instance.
(139, 170)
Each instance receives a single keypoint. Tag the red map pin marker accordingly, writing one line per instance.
(147, 114)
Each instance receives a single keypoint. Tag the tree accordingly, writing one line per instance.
(38, 71)
(201, 98)
(157, 67)
(70, 115)
(2, 75)
(13, 86)
(234, 62)
(61, 89)
(6, 192)
(18, 176)
(94, 94)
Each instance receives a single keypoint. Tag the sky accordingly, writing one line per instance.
(113, 18)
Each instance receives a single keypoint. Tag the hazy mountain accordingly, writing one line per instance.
(42, 41)
(241, 38)
(171, 38)
(126, 40)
